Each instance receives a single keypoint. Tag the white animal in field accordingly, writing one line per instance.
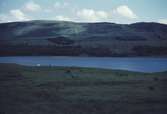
(38, 65)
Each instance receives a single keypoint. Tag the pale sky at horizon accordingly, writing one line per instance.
(117, 11)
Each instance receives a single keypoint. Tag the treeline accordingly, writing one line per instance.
(21, 50)
(40, 50)
(150, 50)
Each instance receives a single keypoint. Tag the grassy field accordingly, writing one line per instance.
(72, 90)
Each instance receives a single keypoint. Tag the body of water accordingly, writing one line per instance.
(140, 64)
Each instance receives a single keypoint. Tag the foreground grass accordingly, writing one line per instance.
(72, 90)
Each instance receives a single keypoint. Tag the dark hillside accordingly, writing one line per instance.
(77, 39)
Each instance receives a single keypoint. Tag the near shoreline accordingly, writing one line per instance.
(74, 90)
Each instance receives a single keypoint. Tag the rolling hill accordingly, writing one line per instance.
(63, 38)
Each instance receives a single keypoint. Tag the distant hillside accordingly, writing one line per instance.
(83, 39)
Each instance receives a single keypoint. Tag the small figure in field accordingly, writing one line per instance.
(70, 73)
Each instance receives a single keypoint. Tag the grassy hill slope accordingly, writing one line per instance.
(78, 39)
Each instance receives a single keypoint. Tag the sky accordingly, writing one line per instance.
(115, 11)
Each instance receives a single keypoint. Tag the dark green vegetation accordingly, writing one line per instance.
(70, 90)
(83, 39)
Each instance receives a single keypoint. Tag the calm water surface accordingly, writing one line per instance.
(126, 63)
